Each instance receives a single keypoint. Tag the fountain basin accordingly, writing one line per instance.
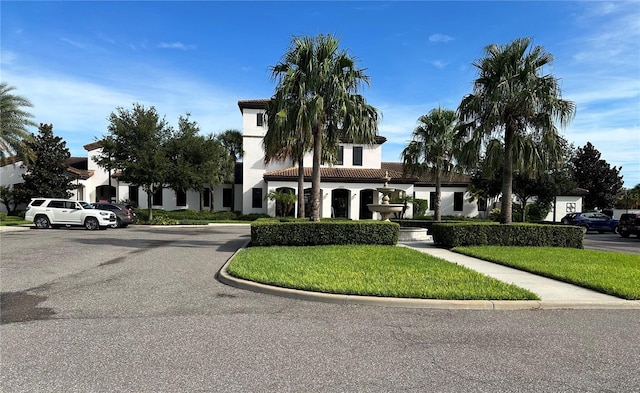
(386, 209)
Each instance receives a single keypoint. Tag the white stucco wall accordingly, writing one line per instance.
(469, 209)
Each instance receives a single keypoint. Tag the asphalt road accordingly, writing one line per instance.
(612, 242)
(139, 310)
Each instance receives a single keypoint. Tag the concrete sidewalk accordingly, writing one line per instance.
(549, 290)
(553, 294)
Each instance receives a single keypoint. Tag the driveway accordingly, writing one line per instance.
(611, 242)
(139, 310)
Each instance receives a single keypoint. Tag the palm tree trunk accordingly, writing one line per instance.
(149, 206)
(301, 188)
(507, 178)
(437, 208)
(315, 174)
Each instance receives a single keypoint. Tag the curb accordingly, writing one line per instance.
(224, 277)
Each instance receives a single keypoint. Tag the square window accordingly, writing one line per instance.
(357, 155)
(340, 160)
(181, 198)
(256, 198)
(458, 201)
(157, 197)
(133, 195)
(206, 197)
(227, 196)
(260, 120)
(432, 201)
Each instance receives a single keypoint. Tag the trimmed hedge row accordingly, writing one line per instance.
(494, 234)
(273, 232)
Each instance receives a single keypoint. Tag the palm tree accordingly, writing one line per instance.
(13, 125)
(514, 100)
(432, 150)
(317, 88)
(284, 140)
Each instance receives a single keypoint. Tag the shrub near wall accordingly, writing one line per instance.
(493, 234)
(272, 232)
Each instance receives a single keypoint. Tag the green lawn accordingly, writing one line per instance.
(613, 273)
(369, 270)
(12, 220)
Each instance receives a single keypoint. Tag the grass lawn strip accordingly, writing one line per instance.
(613, 273)
(370, 271)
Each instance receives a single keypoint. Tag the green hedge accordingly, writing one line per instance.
(273, 232)
(493, 234)
(188, 216)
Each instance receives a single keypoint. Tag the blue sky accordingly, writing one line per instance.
(78, 61)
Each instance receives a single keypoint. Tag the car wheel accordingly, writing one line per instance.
(42, 222)
(585, 229)
(124, 225)
(91, 223)
(624, 233)
(565, 221)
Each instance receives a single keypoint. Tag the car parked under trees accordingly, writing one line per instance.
(591, 221)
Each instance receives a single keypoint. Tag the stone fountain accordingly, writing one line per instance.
(385, 208)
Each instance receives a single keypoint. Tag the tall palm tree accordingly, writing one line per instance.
(432, 150)
(13, 125)
(285, 140)
(317, 86)
(514, 100)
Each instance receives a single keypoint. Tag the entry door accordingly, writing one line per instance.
(366, 198)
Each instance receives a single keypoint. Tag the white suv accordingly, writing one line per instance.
(54, 213)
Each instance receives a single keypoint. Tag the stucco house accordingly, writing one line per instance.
(347, 186)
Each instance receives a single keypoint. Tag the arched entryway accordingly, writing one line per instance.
(340, 203)
(366, 198)
(106, 193)
(286, 209)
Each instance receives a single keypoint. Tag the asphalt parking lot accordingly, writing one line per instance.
(140, 310)
(611, 242)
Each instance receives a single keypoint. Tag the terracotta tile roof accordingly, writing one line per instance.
(253, 104)
(81, 174)
(93, 145)
(457, 180)
(338, 174)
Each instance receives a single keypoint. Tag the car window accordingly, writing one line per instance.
(37, 202)
(56, 204)
(86, 205)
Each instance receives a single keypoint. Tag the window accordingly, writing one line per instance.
(256, 198)
(181, 198)
(432, 201)
(357, 155)
(458, 201)
(260, 119)
(482, 204)
(206, 196)
(227, 196)
(157, 197)
(133, 195)
(340, 160)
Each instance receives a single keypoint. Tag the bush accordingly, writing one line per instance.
(490, 234)
(272, 232)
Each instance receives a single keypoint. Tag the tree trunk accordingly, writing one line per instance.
(301, 211)
(507, 177)
(436, 208)
(149, 207)
(315, 175)
(201, 200)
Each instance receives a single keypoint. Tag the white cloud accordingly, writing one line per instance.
(78, 108)
(440, 38)
(176, 45)
(439, 64)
